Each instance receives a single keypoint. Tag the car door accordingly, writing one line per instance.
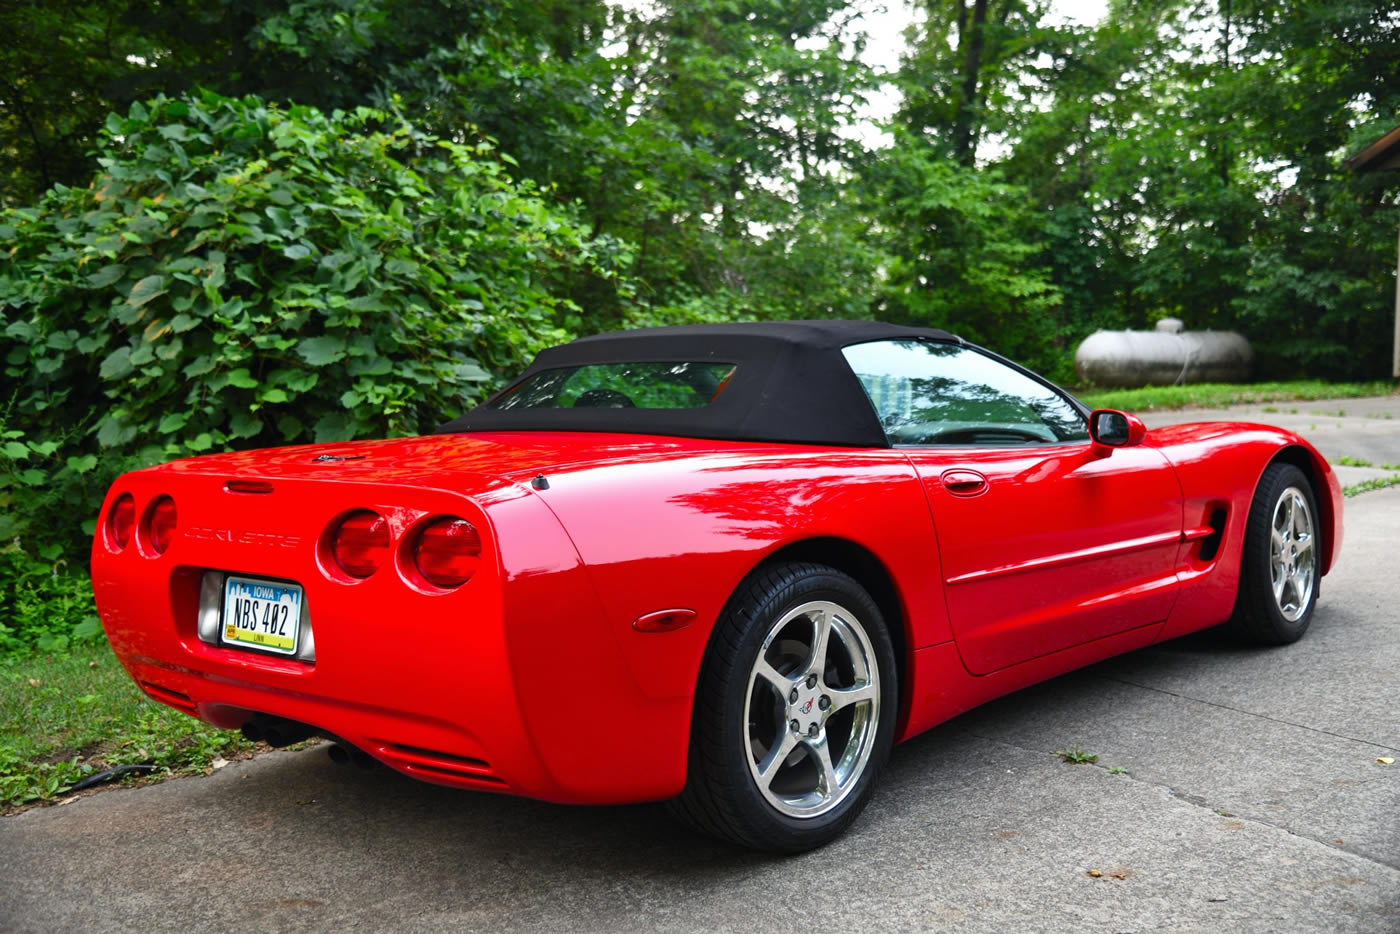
(1047, 541)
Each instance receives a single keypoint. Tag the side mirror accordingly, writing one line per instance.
(1111, 428)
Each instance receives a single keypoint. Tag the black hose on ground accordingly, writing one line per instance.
(107, 775)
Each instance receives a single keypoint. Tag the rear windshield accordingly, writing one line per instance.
(619, 386)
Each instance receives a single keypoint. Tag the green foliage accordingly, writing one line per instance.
(331, 54)
(48, 604)
(1077, 756)
(67, 715)
(243, 274)
(44, 589)
(961, 247)
(63, 61)
(1187, 156)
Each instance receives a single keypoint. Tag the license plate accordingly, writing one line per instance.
(261, 614)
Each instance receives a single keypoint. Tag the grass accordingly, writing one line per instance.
(1077, 756)
(64, 717)
(1221, 395)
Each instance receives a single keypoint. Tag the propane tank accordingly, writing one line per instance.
(1168, 356)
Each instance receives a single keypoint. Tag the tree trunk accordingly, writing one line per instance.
(970, 44)
(1225, 56)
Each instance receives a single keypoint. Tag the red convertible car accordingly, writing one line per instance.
(728, 565)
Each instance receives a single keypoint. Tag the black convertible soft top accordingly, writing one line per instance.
(791, 383)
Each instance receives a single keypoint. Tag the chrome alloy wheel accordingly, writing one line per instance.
(812, 709)
(1292, 564)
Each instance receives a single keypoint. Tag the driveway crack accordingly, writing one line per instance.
(1251, 713)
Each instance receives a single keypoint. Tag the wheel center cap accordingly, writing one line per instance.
(807, 711)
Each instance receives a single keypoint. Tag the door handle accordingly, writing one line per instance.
(964, 482)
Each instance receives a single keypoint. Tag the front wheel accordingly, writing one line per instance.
(1281, 568)
(795, 710)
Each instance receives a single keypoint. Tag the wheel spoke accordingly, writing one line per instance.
(1280, 578)
(1293, 516)
(775, 759)
(862, 693)
(821, 637)
(1304, 545)
(1300, 586)
(780, 682)
(827, 783)
(1279, 544)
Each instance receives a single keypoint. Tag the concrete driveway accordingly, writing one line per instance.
(1251, 801)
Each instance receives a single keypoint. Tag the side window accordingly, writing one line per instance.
(930, 393)
(620, 386)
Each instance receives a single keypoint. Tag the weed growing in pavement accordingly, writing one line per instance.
(1366, 486)
(1076, 756)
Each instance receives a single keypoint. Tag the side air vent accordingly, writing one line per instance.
(1210, 545)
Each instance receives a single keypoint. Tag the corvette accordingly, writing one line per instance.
(726, 565)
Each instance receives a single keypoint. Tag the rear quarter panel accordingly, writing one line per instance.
(664, 533)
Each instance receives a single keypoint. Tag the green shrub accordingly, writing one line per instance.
(239, 274)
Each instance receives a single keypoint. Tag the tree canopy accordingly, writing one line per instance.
(1038, 180)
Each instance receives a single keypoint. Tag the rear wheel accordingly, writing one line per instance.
(794, 715)
(1281, 570)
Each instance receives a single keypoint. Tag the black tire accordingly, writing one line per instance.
(744, 716)
(1262, 615)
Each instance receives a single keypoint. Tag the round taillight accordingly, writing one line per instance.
(121, 520)
(361, 543)
(160, 527)
(447, 552)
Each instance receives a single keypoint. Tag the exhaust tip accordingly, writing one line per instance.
(276, 731)
(338, 754)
